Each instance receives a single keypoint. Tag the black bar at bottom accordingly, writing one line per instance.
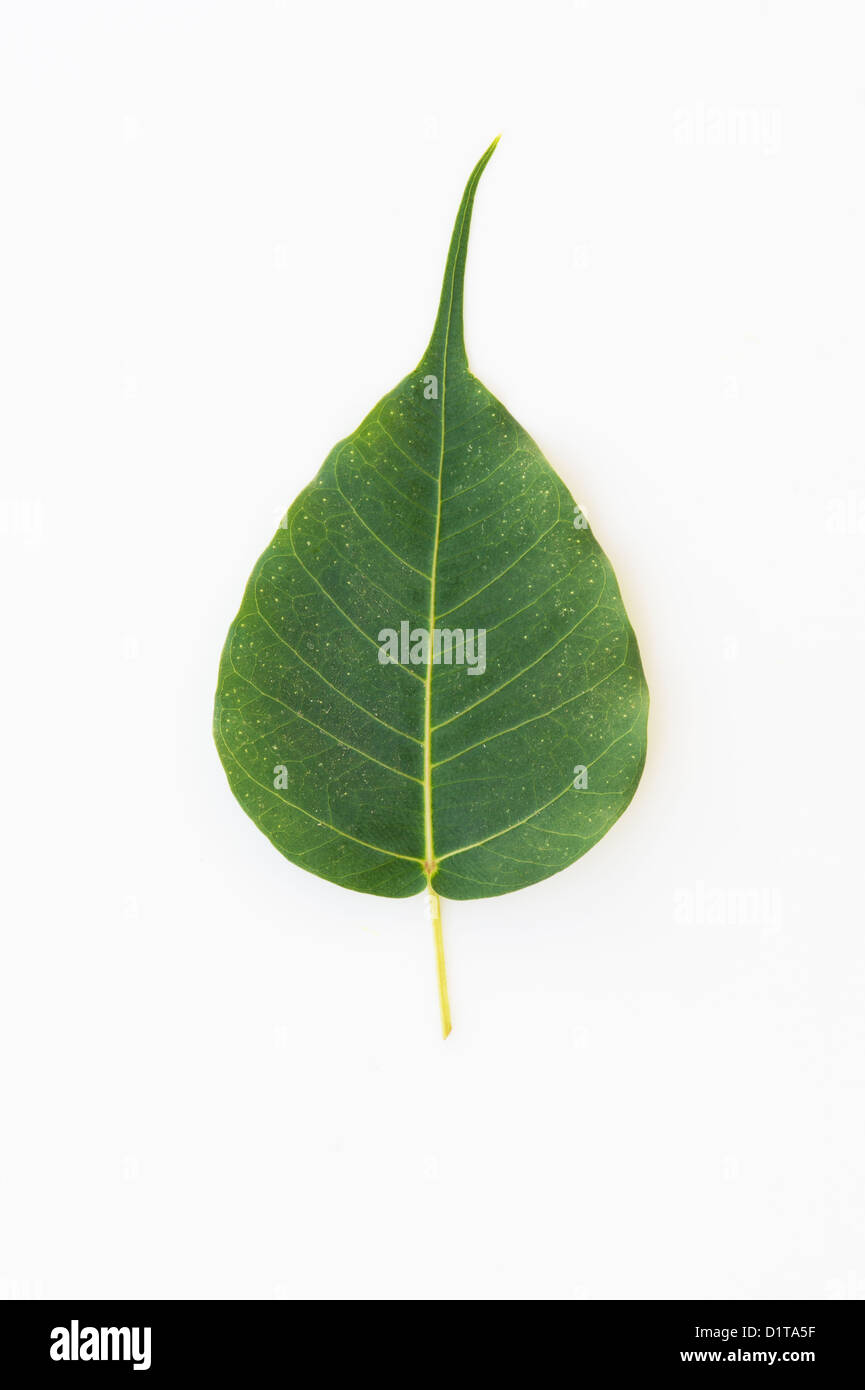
(159, 1341)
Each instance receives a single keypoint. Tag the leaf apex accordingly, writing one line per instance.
(447, 341)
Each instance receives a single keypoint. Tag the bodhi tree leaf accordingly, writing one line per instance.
(432, 681)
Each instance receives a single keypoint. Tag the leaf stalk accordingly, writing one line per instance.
(436, 915)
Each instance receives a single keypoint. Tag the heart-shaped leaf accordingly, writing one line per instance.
(432, 680)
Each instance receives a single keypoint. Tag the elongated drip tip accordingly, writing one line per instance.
(447, 344)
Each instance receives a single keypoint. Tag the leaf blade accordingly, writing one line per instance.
(440, 508)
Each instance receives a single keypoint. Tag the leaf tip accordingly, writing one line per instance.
(447, 336)
(486, 156)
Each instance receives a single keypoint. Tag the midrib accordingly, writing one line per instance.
(430, 865)
(429, 862)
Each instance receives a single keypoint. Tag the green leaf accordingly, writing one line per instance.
(441, 513)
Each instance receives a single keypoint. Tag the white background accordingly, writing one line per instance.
(222, 242)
